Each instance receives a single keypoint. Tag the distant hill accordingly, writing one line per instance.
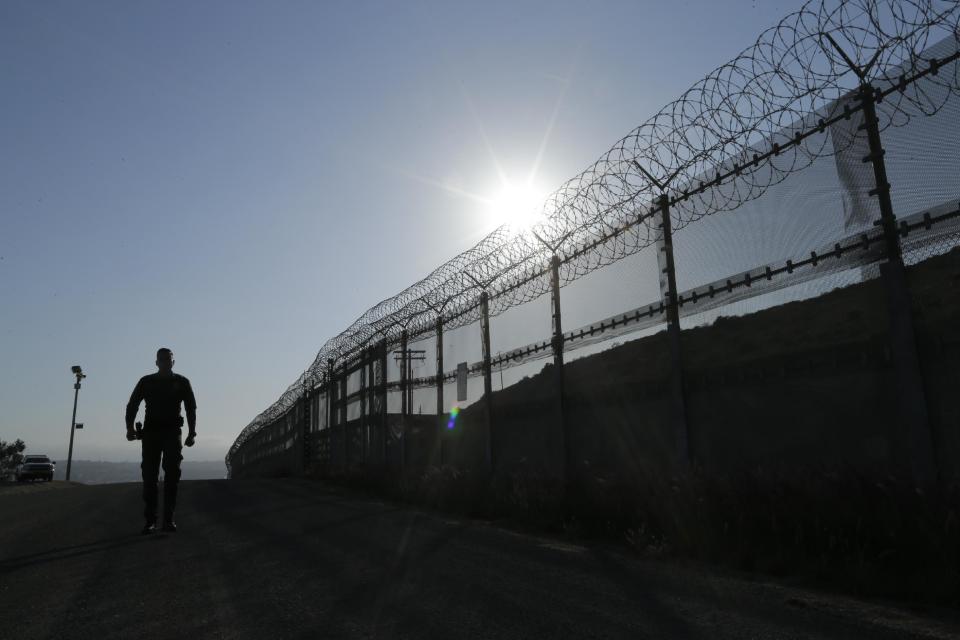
(102, 472)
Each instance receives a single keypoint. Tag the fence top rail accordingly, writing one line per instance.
(799, 76)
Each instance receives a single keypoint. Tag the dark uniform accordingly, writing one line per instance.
(161, 436)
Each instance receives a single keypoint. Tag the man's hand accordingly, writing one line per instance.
(131, 434)
(190, 439)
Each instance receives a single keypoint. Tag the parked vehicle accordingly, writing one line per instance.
(36, 467)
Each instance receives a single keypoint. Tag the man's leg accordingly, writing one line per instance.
(150, 469)
(172, 446)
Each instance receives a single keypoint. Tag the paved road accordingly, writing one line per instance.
(295, 559)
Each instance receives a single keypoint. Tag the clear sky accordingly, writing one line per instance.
(240, 180)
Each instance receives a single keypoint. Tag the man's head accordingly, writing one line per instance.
(164, 360)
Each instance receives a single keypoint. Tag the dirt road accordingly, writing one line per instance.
(295, 559)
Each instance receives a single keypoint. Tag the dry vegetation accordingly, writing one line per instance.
(798, 462)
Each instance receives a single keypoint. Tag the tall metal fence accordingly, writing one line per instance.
(826, 155)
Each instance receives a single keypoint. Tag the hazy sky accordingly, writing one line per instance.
(240, 180)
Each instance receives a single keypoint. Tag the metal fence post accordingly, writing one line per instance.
(331, 411)
(912, 404)
(342, 400)
(440, 421)
(305, 432)
(556, 325)
(487, 377)
(371, 401)
(363, 406)
(404, 406)
(668, 290)
(403, 373)
(557, 343)
(384, 407)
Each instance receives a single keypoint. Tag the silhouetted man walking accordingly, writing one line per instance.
(163, 392)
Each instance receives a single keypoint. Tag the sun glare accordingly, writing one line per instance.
(518, 205)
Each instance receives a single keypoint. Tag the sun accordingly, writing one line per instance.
(518, 205)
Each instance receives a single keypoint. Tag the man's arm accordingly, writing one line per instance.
(190, 404)
(134, 405)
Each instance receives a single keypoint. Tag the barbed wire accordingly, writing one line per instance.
(743, 128)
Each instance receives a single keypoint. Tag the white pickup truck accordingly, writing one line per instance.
(34, 467)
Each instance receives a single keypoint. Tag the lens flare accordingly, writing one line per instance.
(454, 412)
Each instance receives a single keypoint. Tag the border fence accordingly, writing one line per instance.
(860, 90)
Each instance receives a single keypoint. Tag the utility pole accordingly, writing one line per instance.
(404, 359)
(78, 372)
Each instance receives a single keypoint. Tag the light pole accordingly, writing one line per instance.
(77, 371)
